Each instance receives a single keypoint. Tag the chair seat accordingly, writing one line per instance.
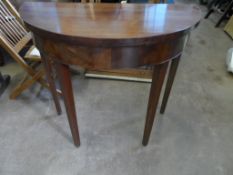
(33, 54)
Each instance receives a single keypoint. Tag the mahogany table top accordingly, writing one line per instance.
(100, 21)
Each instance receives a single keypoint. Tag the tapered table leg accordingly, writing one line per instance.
(157, 82)
(67, 91)
(170, 80)
(49, 73)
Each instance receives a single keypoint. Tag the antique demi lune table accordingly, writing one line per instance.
(106, 36)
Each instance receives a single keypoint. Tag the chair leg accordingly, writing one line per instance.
(212, 3)
(1, 57)
(4, 82)
(26, 84)
(208, 13)
(52, 87)
(212, 7)
(170, 80)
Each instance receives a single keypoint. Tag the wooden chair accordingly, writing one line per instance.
(14, 38)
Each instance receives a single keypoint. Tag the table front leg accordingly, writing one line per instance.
(67, 91)
(159, 73)
(170, 80)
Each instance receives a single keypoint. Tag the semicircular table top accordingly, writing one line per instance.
(109, 21)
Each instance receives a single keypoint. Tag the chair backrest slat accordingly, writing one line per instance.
(13, 11)
(22, 42)
(10, 28)
(6, 38)
(10, 19)
(9, 22)
(16, 23)
(6, 24)
(6, 29)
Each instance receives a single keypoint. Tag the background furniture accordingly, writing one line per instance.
(140, 35)
(14, 38)
(216, 5)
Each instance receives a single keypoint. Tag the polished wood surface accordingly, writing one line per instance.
(108, 36)
(87, 22)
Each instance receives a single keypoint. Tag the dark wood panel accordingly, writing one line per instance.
(112, 57)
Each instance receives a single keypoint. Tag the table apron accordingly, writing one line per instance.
(111, 57)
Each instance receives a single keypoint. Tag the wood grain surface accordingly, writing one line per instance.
(101, 23)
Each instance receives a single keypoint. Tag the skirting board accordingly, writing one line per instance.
(125, 75)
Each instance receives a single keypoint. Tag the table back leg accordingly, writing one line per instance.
(170, 80)
(156, 86)
(52, 87)
(67, 91)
